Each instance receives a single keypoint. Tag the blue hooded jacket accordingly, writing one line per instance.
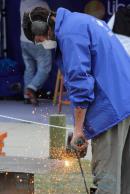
(96, 70)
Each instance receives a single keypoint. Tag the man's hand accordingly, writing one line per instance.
(79, 144)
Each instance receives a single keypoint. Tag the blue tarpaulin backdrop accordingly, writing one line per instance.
(13, 27)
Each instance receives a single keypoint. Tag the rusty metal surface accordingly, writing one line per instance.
(16, 183)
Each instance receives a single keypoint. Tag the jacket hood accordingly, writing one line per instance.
(61, 12)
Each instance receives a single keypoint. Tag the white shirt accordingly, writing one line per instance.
(29, 5)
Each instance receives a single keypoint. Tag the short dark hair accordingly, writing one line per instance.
(37, 14)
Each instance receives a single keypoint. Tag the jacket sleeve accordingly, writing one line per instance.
(77, 70)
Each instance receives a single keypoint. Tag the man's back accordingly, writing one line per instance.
(87, 41)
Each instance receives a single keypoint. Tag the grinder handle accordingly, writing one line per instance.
(79, 142)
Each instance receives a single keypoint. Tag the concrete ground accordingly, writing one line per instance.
(27, 140)
(30, 139)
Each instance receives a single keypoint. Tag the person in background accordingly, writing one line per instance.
(119, 23)
(96, 72)
(37, 60)
(95, 8)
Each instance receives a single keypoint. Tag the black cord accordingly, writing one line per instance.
(82, 172)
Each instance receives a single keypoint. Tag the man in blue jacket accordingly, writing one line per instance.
(96, 72)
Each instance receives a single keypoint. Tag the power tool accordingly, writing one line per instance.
(71, 152)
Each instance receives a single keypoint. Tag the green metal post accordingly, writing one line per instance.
(57, 136)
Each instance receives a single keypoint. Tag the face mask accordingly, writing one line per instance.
(48, 44)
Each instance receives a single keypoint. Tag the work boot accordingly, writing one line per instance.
(31, 96)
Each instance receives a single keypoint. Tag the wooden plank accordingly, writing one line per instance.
(1, 147)
(1, 144)
(3, 135)
(2, 153)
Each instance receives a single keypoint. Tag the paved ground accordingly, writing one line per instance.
(28, 139)
(40, 114)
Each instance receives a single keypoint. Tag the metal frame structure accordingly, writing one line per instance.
(3, 42)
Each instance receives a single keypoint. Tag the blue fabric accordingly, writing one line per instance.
(13, 32)
(10, 78)
(8, 67)
(96, 70)
(13, 29)
(38, 62)
(7, 85)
